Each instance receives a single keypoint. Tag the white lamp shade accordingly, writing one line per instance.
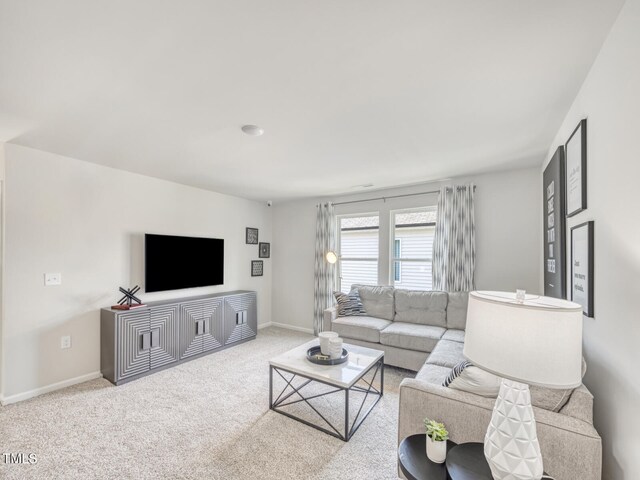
(538, 341)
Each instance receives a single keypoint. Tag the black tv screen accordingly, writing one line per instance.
(173, 262)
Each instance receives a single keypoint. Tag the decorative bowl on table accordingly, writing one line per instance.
(314, 355)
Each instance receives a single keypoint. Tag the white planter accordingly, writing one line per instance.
(436, 451)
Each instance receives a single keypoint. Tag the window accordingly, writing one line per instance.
(358, 240)
(412, 239)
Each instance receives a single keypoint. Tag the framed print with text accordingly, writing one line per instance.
(582, 266)
(576, 153)
(554, 243)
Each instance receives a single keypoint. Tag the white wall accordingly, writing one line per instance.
(610, 101)
(508, 238)
(87, 222)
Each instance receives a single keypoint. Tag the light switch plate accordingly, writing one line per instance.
(52, 279)
(65, 341)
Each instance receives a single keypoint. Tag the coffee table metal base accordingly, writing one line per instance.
(344, 432)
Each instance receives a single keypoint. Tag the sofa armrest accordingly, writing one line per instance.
(571, 448)
(330, 314)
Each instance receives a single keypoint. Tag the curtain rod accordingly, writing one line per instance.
(392, 196)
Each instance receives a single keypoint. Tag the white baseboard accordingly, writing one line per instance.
(18, 397)
(285, 325)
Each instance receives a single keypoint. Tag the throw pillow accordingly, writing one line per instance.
(467, 377)
(349, 304)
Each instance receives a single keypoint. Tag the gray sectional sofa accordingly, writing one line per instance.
(424, 332)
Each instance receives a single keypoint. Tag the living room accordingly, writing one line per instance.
(123, 120)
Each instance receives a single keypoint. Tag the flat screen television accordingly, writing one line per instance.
(172, 262)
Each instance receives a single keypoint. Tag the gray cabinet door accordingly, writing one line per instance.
(240, 317)
(212, 336)
(134, 343)
(164, 336)
(191, 317)
(250, 305)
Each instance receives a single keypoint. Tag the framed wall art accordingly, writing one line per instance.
(554, 243)
(252, 236)
(576, 152)
(257, 268)
(582, 266)
(264, 250)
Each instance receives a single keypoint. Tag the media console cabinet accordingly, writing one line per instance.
(138, 342)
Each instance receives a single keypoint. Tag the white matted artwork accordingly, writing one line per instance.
(576, 154)
(582, 266)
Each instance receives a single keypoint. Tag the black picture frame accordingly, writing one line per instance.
(264, 250)
(251, 236)
(554, 226)
(257, 268)
(576, 165)
(582, 277)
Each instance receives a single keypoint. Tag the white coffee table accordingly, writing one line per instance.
(346, 377)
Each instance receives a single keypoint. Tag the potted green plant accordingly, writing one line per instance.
(437, 436)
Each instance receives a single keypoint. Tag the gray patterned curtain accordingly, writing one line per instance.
(454, 244)
(325, 272)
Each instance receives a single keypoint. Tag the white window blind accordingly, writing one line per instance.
(358, 246)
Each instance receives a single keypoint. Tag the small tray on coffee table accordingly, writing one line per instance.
(314, 353)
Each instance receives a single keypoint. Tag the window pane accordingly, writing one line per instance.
(363, 272)
(413, 232)
(415, 275)
(358, 251)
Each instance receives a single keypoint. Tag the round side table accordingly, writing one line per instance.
(413, 461)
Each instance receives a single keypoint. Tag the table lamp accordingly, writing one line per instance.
(533, 340)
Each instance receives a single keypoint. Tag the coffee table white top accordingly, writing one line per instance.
(344, 375)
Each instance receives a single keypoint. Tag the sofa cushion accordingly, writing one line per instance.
(349, 304)
(446, 354)
(457, 310)
(454, 335)
(360, 327)
(433, 374)
(425, 308)
(467, 377)
(377, 301)
(411, 336)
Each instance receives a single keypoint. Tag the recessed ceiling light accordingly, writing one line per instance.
(253, 130)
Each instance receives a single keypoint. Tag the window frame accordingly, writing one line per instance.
(392, 239)
(339, 246)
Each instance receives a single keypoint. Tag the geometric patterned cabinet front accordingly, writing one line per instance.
(134, 343)
(200, 326)
(240, 317)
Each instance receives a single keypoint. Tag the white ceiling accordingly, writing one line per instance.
(349, 92)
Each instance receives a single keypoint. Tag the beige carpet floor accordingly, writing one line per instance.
(204, 419)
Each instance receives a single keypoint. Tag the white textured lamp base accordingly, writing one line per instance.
(511, 444)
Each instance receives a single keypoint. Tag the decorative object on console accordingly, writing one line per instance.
(324, 341)
(126, 302)
(437, 436)
(349, 304)
(582, 266)
(252, 236)
(540, 343)
(576, 188)
(554, 226)
(264, 250)
(257, 268)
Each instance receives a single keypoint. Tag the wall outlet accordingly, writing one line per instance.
(52, 279)
(65, 341)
